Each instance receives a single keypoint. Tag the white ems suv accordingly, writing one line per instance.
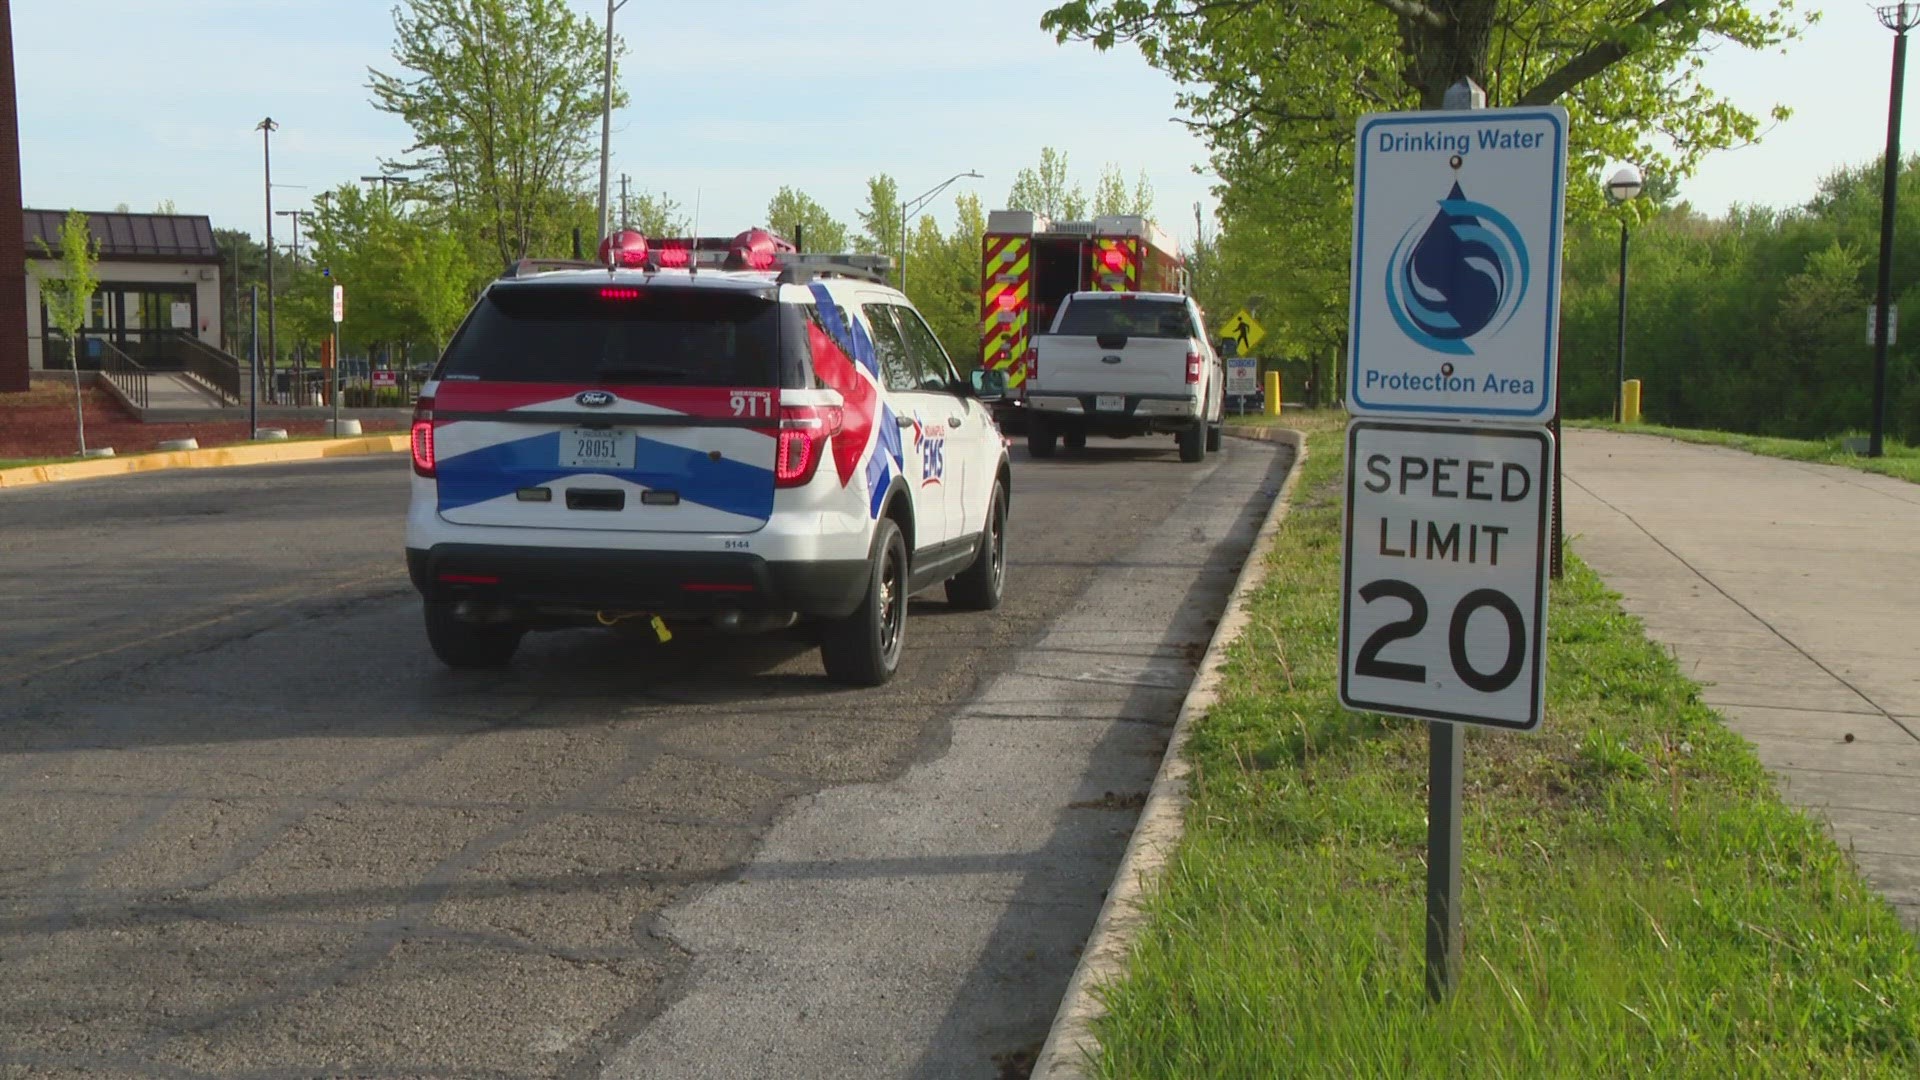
(714, 431)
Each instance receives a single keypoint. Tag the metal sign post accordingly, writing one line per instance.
(1454, 317)
(339, 313)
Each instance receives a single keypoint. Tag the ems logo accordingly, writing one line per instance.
(931, 442)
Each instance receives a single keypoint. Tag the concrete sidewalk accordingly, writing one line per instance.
(1792, 591)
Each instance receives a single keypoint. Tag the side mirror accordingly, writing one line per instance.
(989, 384)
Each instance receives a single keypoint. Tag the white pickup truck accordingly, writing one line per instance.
(1121, 364)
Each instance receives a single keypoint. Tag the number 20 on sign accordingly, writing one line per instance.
(1444, 591)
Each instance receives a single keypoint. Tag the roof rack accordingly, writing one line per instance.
(523, 267)
(801, 269)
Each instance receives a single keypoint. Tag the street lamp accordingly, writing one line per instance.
(1898, 18)
(913, 205)
(1622, 186)
(266, 128)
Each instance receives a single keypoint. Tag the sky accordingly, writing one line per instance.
(139, 101)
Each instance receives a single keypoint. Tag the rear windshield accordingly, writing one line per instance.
(619, 334)
(1133, 318)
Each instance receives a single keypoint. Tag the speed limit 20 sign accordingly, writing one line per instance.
(1445, 593)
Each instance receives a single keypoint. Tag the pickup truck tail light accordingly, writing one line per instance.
(1193, 368)
(804, 431)
(423, 459)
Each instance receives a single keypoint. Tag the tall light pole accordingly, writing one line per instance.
(266, 128)
(912, 205)
(1622, 186)
(606, 123)
(1898, 18)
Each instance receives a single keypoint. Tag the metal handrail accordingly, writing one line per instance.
(214, 367)
(125, 373)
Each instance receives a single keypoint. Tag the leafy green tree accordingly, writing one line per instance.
(880, 218)
(945, 280)
(1111, 196)
(68, 297)
(504, 99)
(1048, 190)
(792, 211)
(654, 215)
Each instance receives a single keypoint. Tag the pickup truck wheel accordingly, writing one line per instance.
(863, 649)
(1041, 438)
(1075, 440)
(1193, 441)
(1215, 433)
(978, 587)
(462, 644)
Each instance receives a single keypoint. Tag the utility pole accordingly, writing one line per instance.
(266, 128)
(13, 271)
(606, 122)
(623, 200)
(1898, 18)
(296, 215)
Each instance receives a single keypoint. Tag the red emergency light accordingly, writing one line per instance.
(626, 248)
(1007, 301)
(754, 249)
(1114, 258)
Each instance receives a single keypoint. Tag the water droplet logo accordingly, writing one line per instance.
(1464, 273)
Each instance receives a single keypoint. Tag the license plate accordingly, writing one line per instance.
(1109, 403)
(582, 448)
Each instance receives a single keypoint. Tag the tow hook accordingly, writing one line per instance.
(614, 618)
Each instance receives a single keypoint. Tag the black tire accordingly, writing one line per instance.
(1075, 440)
(1041, 438)
(470, 645)
(863, 649)
(1215, 434)
(1193, 441)
(979, 586)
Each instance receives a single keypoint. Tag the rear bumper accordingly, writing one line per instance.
(1142, 412)
(672, 584)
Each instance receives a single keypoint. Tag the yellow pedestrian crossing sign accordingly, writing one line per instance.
(1243, 332)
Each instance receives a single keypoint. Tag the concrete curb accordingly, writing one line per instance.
(214, 458)
(1071, 1044)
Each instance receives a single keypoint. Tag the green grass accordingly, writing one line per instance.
(1638, 901)
(1898, 460)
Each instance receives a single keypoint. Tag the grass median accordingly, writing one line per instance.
(1898, 460)
(1638, 900)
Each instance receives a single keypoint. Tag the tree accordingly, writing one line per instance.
(1280, 86)
(793, 213)
(1110, 195)
(503, 97)
(653, 215)
(880, 221)
(945, 282)
(69, 297)
(1047, 190)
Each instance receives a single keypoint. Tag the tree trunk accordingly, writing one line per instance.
(1441, 56)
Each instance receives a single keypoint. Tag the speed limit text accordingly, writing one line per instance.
(1445, 478)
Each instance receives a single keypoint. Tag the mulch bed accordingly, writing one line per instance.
(39, 424)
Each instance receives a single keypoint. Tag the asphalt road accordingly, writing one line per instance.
(250, 828)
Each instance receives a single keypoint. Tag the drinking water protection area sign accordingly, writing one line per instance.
(1455, 307)
(1444, 602)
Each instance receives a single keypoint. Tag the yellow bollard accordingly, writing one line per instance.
(1273, 393)
(1630, 401)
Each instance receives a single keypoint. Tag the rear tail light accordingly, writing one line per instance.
(804, 431)
(423, 461)
(1193, 367)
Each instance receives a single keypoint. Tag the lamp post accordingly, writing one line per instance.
(1622, 186)
(606, 123)
(1898, 18)
(911, 206)
(266, 128)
